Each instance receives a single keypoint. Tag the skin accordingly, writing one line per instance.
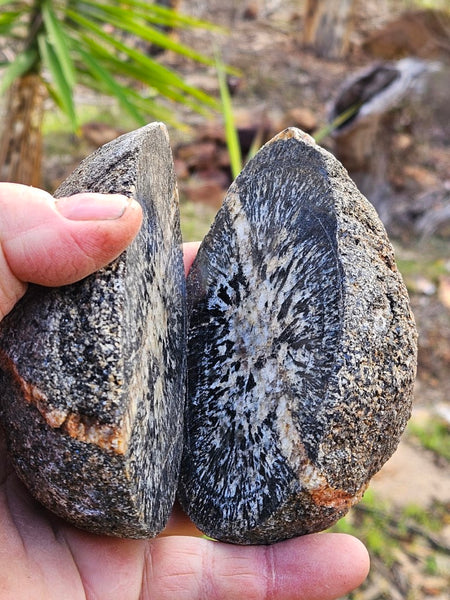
(43, 558)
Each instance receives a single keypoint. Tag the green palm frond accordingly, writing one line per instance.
(109, 83)
(231, 134)
(99, 44)
(22, 64)
(59, 43)
(8, 20)
(170, 18)
(141, 24)
(60, 87)
(157, 75)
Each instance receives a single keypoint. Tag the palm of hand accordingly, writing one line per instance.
(41, 557)
(49, 559)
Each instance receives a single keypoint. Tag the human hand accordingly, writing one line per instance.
(44, 558)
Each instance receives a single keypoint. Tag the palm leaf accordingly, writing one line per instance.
(157, 74)
(135, 22)
(139, 73)
(14, 5)
(67, 42)
(22, 64)
(146, 106)
(8, 20)
(59, 43)
(109, 83)
(60, 86)
(234, 148)
(149, 107)
(162, 15)
(324, 131)
(120, 18)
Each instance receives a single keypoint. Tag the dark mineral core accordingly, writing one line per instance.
(93, 374)
(301, 351)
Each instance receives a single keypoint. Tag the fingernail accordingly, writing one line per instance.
(92, 207)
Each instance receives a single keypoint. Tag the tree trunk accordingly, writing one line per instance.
(327, 26)
(21, 141)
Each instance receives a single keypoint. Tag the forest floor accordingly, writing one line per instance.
(404, 518)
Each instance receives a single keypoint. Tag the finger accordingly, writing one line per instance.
(58, 242)
(180, 524)
(190, 250)
(314, 567)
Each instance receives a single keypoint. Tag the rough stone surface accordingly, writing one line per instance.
(93, 381)
(301, 351)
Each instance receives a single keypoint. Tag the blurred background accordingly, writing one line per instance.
(369, 80)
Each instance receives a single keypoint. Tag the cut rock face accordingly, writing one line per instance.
(301, 355)
(93, 379)
(301, 351)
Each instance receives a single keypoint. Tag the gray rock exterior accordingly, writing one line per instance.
(301, 351)
(93, 382)
(301, 355)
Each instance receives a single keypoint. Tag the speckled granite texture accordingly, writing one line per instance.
(93, 381)
(301, 351)
(301, 355)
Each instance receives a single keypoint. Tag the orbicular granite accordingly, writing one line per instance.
(301, 358)
(301, 351)
(93, 381)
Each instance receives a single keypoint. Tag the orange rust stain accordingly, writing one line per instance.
(327, 495)
(106, 437)
(78, 427)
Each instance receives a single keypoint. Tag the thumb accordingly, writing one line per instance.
(56, 242)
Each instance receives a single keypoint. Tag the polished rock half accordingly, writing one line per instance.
(93, 381)
(301, 351)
